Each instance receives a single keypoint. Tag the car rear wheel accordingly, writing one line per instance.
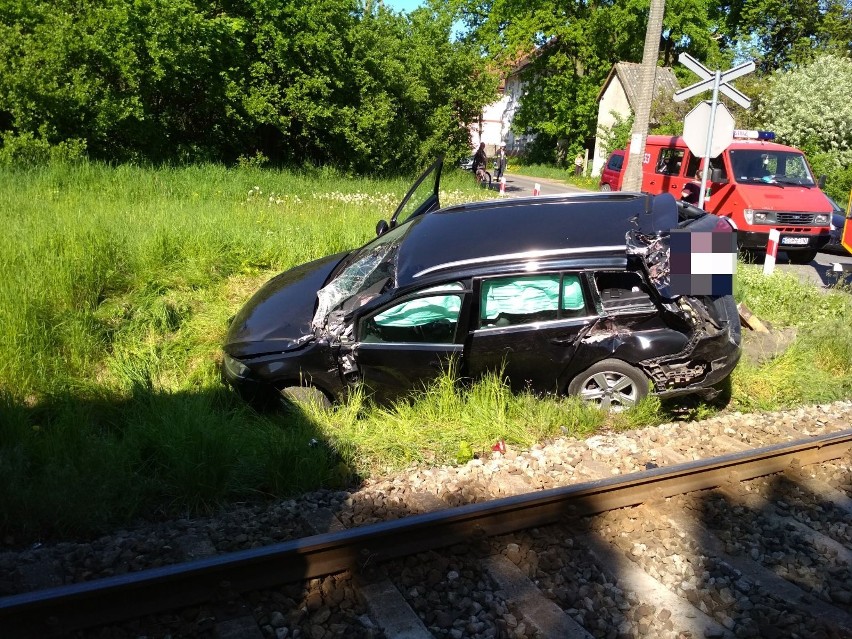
(801, 257)
(304, 395)
(611, 384)
(606, 187)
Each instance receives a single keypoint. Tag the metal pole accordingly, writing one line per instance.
(706, 169)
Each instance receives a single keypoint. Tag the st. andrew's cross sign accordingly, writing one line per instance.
(718, 82)
(708, 78)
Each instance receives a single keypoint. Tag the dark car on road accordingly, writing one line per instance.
(566, 294)
(838, 219)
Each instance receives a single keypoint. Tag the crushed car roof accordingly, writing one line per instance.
(543, 226)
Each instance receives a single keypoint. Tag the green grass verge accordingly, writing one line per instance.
(117, 286)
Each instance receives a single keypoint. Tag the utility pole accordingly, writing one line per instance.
(633, 171)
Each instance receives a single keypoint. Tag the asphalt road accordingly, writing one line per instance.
(820, 272)
(522, 186)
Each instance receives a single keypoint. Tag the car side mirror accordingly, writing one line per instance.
(821, 182)
(717, 176)
(382, 227)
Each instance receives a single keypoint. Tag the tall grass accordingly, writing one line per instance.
(117, 286)
(817, 367)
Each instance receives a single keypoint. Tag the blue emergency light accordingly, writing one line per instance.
(749, 134)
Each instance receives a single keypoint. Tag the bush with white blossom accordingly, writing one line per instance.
(810, 107)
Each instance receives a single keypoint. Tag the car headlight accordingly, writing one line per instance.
(234, 367)
(822, 219)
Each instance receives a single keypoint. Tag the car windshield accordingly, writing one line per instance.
(368, 272)
(780, 167)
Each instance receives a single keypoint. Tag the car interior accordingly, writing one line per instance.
(623, 291)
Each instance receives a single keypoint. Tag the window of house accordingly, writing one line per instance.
(531, 298)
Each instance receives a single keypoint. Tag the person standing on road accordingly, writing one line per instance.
(500, 162)
(578, 164)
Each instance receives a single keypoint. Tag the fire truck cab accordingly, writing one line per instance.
(757, 184)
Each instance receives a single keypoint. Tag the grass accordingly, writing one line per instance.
(118, 283)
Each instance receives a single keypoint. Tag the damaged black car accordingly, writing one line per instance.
(566, 294)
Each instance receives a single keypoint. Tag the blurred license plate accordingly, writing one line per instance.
(801, 241)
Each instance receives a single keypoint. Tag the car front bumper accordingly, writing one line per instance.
(753, 240)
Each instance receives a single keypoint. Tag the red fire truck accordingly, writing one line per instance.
(756, 183)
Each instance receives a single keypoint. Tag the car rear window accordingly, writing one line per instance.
(615, 162)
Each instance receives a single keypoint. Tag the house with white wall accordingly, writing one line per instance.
(618, 98)
(495, 125)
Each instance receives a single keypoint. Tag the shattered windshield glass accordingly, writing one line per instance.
(371, 271)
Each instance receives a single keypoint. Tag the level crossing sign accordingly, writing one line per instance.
(701, 123)
(696, 126)
(709, 78)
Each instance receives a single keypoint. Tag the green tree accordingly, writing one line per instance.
(616, 136)
(133, 79)
(571, 47)
(332, 81)
(781, 33)
(809, 107)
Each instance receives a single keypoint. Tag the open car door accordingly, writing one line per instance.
(421, 198)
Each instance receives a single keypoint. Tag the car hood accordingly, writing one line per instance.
(785, 197)
(277, 318)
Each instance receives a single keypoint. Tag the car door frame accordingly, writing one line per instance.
(415, 364)
(430, 203)
(561, 336)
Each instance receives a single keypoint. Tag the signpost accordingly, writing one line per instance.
(696, 126)
(704, 122)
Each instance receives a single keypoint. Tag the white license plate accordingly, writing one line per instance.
(799, 241)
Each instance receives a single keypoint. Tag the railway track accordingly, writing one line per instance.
(749, 544)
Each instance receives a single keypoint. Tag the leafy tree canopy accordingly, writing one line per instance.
(809, 107)
(782, 33)
(345, 82)
(821, 122)
(570, 48)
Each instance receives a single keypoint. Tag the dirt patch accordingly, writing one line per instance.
(761, 347)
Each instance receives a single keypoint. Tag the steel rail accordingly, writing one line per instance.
(62, 609)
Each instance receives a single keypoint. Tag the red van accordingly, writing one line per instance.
(757, 184)
(612, 171)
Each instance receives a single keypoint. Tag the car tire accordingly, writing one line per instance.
(611, 384)
(801, 257)
(304, 395)
(606, 187)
